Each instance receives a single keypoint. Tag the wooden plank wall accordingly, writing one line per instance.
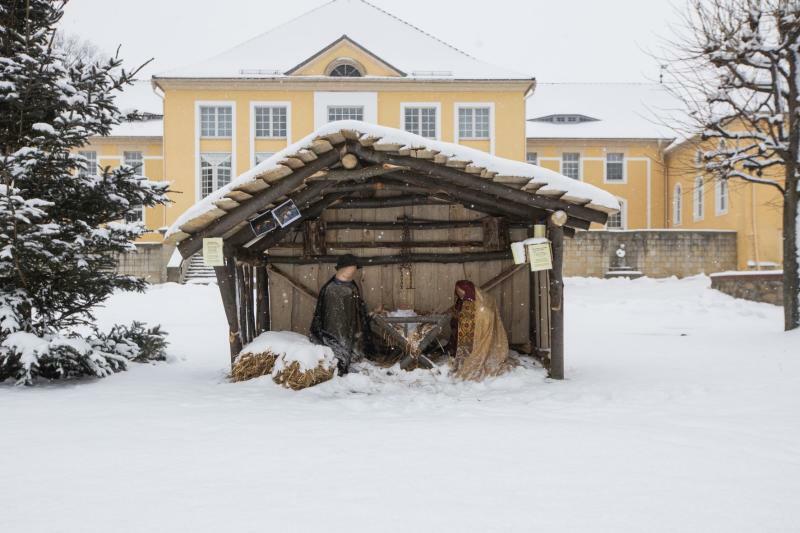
(433, 283)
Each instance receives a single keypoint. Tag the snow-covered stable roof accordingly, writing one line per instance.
(618, 110)
(550, 187)
(140, 98)
(397, 43)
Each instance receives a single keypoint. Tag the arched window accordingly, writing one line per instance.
(698, 198)
(345, 68)
(677, 205)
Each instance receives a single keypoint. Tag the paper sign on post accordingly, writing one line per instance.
(540, 257)
(212, 252)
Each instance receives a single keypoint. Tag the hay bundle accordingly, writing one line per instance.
(253, 365)
(293, 376)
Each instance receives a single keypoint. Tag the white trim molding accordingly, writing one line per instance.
(197, 139)
(435, 105)
(492, 136)
(252, 119)
(323, 99)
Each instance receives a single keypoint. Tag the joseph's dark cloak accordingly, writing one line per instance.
(341, 321)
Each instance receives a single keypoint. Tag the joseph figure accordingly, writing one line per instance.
(340, 318)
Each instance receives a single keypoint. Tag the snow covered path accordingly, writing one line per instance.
(681, 413)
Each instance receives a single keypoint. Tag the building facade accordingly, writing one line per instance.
(214, 120)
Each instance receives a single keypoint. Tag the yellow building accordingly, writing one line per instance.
(225, 114)
(699, 201)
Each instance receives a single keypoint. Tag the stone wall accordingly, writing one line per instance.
(756, 286)
(656, 253)
(148, 262)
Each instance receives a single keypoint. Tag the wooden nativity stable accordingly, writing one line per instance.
(420, 214)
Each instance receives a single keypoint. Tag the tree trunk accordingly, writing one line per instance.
(791, 259)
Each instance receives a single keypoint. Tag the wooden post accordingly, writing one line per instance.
(495, 233)
(241, 303)
(248, 294)
(314, 237)
(262, 299)
(226, 280)
(557, 301)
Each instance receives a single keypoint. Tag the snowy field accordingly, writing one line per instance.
(681, 412)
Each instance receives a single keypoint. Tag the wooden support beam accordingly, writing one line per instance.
(345, 245)
(465, 257)
(249, 303)
(458, 177)
(358, 174)
(314, 237)
(495, 233)
(262, 299)
(387, 201)
(261, 199)
(241, 303)
(415, 224)
(226, 281)
(556, 235)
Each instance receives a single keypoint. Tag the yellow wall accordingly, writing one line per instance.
(110, 153)
(754, 211)
(643, 160)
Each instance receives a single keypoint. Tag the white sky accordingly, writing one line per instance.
(566, 40)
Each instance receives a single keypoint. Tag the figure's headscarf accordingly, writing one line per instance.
(469, 290)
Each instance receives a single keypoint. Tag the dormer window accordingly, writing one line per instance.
(564, 119)
(345, 68)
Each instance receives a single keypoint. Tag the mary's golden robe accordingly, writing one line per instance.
(482, 349)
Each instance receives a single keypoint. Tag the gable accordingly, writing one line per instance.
(344, 48)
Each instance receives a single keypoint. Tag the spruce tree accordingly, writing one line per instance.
(61, 224)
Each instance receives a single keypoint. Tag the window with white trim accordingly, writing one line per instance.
(474, 122)
(721, 196)
(135, 160)
(215, 172)
(698, 198)
(345, 112)
(677, 205)
(263, 156)
(571, 165)
(698, 158)
(420, 120)
(270, 121)
(91, 163)
(618, 220)
(532, 158)
(615, 167)
(216, 121)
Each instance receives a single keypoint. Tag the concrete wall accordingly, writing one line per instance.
(656, 253)
(758, 287)
(148, 262)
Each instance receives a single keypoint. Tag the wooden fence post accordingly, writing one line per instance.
(557, 301)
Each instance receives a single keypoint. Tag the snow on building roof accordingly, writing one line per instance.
(619, 110)
(531, 179)
(140, 98)
(396, 42)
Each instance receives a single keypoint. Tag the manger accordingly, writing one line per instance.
(419, 215)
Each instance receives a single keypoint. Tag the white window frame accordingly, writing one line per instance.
(272, 107)
(677, 204)
(580, 165)
(348, 107)
(267, 103)
(623, 216)
(404, 106)
(137, 208)
(721, 186)
(457, 134)
(698, 207)
(325, 99)
(89, 170)
(220, 157)
(624, 163)
(197, 105)
(532, 160)
(216, 120)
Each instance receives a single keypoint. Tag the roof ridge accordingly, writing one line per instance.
(420, 30)
(652, 83)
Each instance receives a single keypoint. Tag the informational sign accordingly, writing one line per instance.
(286, 213)
(212, 252)
(540, 256)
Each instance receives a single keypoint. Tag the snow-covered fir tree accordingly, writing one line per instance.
(60, 226)
(737, 68)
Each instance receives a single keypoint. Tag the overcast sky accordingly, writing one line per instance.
(553, 40)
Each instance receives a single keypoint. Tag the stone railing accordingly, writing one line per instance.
(763, 286)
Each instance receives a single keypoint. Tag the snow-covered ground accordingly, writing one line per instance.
(681, 412)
